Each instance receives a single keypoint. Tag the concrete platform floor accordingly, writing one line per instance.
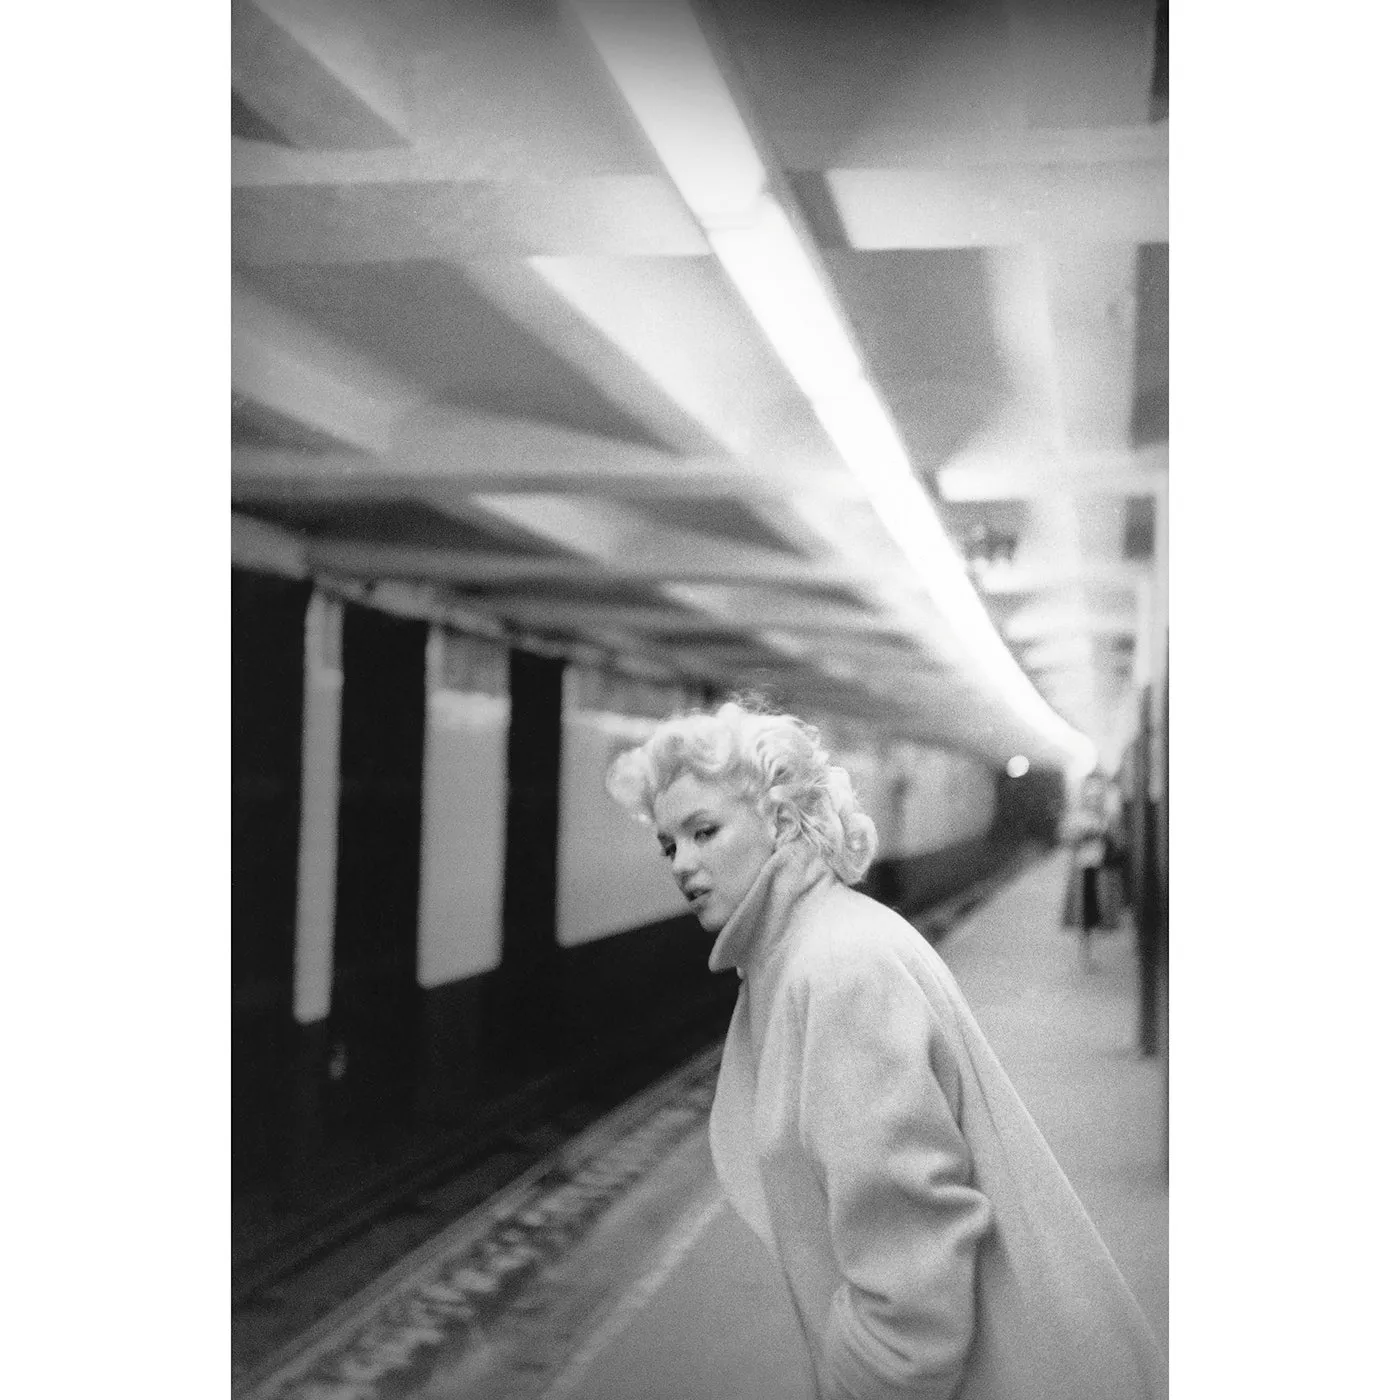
(661, 1293)
(710, 1320)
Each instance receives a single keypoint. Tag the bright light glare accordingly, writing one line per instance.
(866, 439)
(765, 258)
(1018, 765)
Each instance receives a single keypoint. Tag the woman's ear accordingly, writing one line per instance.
(783, 825)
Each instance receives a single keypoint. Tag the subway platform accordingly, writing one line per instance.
(615, 1271)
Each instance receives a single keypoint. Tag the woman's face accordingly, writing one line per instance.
(716, 843)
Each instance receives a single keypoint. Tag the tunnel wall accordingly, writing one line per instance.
(599, 966)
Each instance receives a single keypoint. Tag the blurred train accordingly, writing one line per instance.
(437, 911)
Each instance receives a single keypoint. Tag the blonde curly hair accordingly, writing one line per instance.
(776, 761)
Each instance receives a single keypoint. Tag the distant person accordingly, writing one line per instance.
(1090, 904)
(862, 1126)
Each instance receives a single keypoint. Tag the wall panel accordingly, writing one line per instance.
(464, 810)
(611, 874)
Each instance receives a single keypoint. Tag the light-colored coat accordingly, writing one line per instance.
(865, 1131)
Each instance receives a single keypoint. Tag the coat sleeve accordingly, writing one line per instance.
(905, 1220)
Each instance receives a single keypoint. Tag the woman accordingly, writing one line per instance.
(862, 1126)
(1088, 907)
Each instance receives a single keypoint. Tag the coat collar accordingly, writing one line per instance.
(764, 916)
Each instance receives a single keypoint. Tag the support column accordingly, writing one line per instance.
(1151, 865)
(1147, 902)
(1157, 790)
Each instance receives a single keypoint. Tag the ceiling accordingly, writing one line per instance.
(485, 356)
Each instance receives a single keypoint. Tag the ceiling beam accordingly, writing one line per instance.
(919, 147)
(987, 206)
(524, 455)
(786, 612)
(464, 161)
(265, 548)
(728, 565)
(590, 319)
(284, 363)
(422, 443)
(432, 160)
(868, 655)
(794, 617)
(1092, 301)
(323, 73)
(686, 324)
(1017, 580)
(1005, 476)
(286, 474)
(381, 206)
(504, 462)
(1058, 652)
(851, 530)
(616, 532)
(1052, 619)
(616, 215)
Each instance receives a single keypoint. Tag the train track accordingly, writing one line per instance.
(452, 1284)
(284, 1281)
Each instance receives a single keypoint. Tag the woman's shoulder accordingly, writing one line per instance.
(862, 959)
(851, 935)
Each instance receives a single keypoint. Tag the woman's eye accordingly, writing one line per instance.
(705, 832)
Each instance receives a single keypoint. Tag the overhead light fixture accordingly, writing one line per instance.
(862, 431)
(668, 74)
(766, 261)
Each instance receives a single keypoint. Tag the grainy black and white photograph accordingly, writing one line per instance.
(699, 700)
(682, 810)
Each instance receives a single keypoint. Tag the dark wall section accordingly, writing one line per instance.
(267, 645)
(374, 994)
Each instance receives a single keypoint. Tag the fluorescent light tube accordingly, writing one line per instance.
(768, 264)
